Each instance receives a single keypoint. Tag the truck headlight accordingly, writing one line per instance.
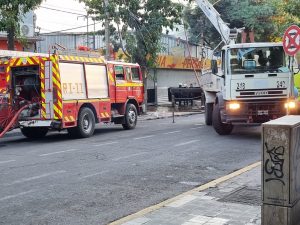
(290, 105)
(234, 106)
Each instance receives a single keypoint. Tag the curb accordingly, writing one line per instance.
(203, 187)
(168, 116)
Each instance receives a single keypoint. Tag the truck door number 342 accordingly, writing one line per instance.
(240, 86)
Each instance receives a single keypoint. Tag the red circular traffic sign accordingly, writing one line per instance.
(291, 40)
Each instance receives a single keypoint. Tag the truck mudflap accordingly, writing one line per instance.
(9, 117)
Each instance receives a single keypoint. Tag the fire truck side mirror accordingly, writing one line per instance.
(214, 66)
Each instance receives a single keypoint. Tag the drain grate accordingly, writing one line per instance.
(244, 196)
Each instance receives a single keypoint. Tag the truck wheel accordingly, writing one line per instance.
(34, 132)
(208, 113)
(130, 117)
(85, 124)
(220, 128)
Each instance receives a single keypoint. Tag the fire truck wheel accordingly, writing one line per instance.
(86, 124)
(34, 132)
(208, 113)
(220, 128)
(130, 117)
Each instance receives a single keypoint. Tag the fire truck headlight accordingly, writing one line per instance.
(234, 106)
(290, 105)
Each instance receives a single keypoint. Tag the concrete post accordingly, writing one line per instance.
(281, 171)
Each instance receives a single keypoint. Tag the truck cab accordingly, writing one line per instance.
(251, 87)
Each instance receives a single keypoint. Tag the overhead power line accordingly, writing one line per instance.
(58, 10)
(74, 28)
(64, 8)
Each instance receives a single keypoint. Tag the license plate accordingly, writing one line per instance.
(262, 112)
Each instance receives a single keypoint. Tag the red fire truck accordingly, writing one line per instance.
(57, 92)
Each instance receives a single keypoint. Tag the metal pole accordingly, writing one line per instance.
(173, 104)
(94, 37)
(107, 56)
(87, 30)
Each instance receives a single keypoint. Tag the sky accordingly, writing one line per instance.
(50, 16)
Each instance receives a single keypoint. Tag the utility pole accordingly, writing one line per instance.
(94, 36)
(107, 56)
(87, 30)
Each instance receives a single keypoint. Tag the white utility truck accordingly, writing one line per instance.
(253, 84)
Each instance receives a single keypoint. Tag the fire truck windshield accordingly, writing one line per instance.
(257, 60)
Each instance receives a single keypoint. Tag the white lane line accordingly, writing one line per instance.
(194, 128)
(16, 195)
(108, 143)
(199, 124)
(149, 136)
(130, 156)
(35, 177)
(8, 161)
(173, 132)
(59, 152)
(94, 174)
(186, 143)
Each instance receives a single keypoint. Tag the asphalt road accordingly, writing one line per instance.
(57, 180)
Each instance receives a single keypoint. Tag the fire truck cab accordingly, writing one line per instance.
(71, 92)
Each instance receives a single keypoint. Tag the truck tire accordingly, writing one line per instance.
(220, 128)
(130, 117)
(34, 132)
(208, 113)
(85, 124)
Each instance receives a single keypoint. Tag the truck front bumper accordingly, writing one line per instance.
(253, 111)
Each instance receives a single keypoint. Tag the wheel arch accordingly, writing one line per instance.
(92, 107)
(134, 102)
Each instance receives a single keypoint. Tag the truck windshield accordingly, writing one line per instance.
(257, 60)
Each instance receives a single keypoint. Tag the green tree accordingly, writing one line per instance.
(252, 15)
(140, 23)
(11, 13)
(286, 13)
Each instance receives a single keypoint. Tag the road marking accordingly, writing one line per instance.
(130, 156)
(186, 143)
(35, 177)
(94, 174)
(59, 152)
(8, 161)
(16, 195)
(194, 128)
(199, 124)
(173, 132)
(190, 183)
(149, 136)
(108, 143)
(208, 185)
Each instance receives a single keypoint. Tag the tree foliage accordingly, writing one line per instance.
(267, 18)
(286, 13)
(11, 13)
(140, 23)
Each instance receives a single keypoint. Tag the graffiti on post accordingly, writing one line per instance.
(274, 164)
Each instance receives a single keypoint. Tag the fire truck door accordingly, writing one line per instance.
(48, 91)
(121, 89)
(129, 81)
(137, 89)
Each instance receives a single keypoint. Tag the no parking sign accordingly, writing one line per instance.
(291, 40)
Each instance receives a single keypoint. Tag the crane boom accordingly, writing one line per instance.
(228, 36)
